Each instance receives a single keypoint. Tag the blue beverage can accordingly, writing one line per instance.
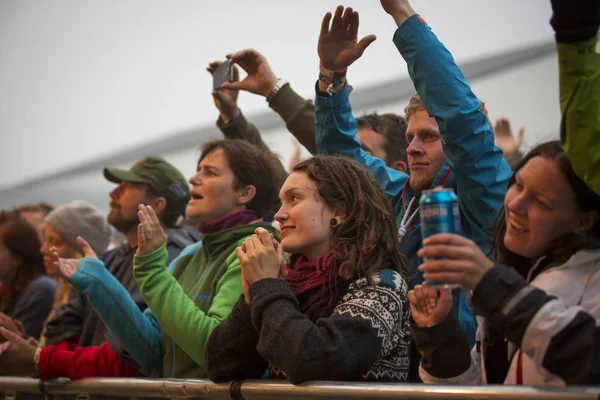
(439, 213)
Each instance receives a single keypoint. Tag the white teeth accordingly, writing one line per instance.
(517, 226)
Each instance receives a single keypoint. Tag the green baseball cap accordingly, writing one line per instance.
(161, 176)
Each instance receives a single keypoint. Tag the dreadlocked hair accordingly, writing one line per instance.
(367, 237)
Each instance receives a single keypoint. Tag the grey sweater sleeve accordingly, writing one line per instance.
(34, 304)
(342, 346)
(231, 349)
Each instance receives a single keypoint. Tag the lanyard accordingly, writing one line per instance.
(408, 218)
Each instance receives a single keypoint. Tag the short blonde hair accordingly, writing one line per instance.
(416, 104)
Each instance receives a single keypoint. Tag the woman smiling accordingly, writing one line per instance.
(338, 310)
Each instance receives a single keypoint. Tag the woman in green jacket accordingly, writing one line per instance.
(233, 188)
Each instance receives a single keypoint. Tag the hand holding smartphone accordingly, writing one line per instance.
(223, 73)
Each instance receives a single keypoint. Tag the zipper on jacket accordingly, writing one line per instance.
(187, 294)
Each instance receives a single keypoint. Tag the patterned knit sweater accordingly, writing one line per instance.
(366, 337)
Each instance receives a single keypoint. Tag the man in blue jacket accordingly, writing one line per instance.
(451, 143)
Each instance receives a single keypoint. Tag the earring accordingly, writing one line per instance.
(334, 222)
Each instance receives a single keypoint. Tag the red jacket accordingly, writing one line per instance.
(66, 359)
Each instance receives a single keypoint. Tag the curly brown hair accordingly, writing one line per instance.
(367, 236)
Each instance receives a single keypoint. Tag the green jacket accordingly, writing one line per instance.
(185, 302)
(579, 68)
(191, 301)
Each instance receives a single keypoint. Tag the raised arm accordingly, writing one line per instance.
(576, 26)
(297, 112)
(480, 171)
(179, 316)
(138, 332)
(335, 126)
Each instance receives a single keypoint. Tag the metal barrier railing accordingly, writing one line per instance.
(14, 388)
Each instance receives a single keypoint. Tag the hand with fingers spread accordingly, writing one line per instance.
(260, 79)
(259, 257)
(151, 235)
(464, 262)
(16, 355)
(505, 139)
(338, 45)
(429, 306)
(226, 99)
(68, 266)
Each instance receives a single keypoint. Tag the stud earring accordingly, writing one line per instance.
(334, 222)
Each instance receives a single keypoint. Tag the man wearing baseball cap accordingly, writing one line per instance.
(151, 181)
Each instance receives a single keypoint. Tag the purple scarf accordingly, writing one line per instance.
(228, 221)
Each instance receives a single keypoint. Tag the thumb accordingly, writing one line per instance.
(364, 43)
(219, 95)
(233, 86)
(85, 247)
(13, 338)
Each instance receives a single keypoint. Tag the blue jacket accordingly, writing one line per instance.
(479, 174)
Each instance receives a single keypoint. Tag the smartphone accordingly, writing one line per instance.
(223, 73)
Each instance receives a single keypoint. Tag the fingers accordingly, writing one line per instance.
(364, 43)
(442, 250)
(445, 265)
(4, 347)
(346, 18)
(447, 238)
(336, 23)
(257, 242)
(521, 136)
(325, 24)
(249, 246)
(241, 255)
(421, 293)
(212, 66)
(265, 237)
(85, 247)
(353, 24)
(10, 336)
(233, 86)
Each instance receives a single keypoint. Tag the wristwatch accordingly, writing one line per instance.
(278, 85)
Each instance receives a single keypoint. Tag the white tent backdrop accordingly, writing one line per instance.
(81, 81)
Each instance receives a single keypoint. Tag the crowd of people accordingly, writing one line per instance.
(319, 271)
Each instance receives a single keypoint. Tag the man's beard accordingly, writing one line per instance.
(122, 224)
(421, 181)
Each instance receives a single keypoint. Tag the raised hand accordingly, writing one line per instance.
(226, 99)
(68, 266)
(453, 258)
(338, 46)
(429, 306)
(260, 79)
(151, 235)
(505, 139)
(259, 257)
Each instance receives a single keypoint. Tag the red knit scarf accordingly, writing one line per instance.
(229, 221)
(321, 277)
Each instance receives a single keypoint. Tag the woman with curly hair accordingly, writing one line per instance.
(338, 310)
